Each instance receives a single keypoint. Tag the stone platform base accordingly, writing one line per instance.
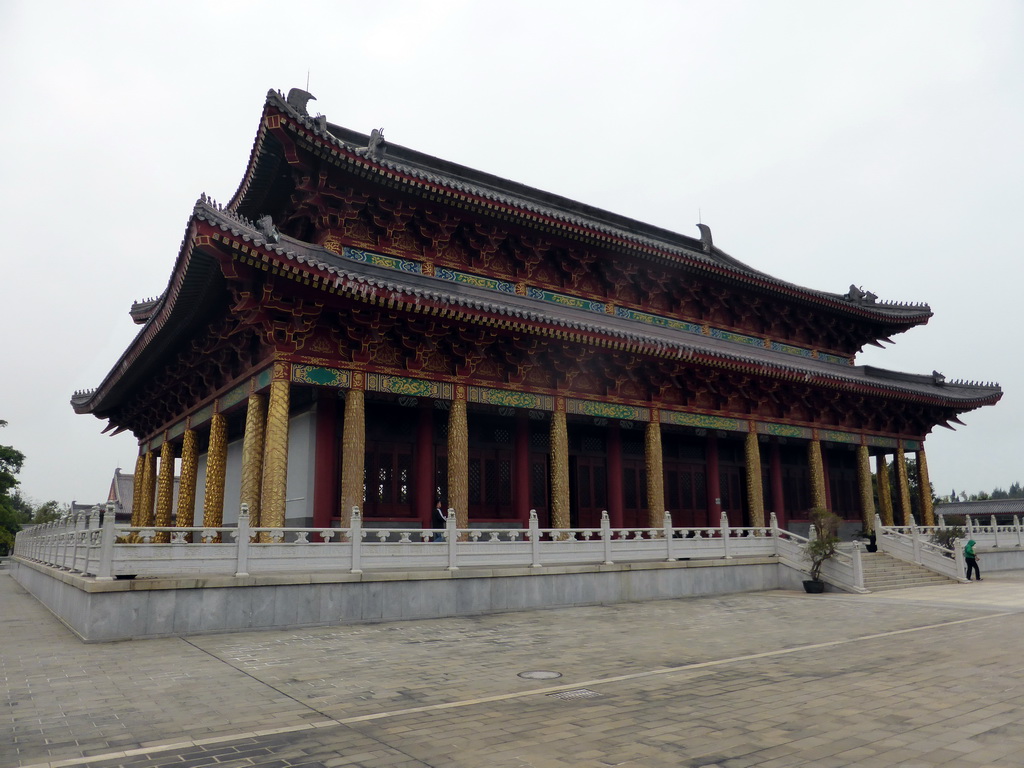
(161, 607)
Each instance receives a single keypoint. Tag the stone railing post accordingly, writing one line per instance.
(942, 520)
(355, 537)
(108, 535)
(670, 547)
(915, 535)
(606, 537)
(995, 530)
(725, 536)
(534, 533)
(970, 526)
(773, 525)
(958, 556)
(242, 537)
(452, 534)
(1016, 529)
(858, 567)
(78, 524)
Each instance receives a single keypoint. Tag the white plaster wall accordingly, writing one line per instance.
(232, 484)
(301, 465)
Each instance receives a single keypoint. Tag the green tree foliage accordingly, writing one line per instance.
(49, 511)
(10, 514)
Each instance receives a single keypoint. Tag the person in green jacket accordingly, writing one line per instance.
(972, 560)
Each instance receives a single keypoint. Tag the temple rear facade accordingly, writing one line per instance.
(363, 325)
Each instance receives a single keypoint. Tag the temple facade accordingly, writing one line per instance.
(363, 325)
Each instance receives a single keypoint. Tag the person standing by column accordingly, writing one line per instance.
(972, 560)
(439, 520)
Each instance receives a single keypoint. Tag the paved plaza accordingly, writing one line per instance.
(919, 677)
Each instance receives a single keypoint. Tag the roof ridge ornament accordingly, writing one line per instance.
(377, 145)
(860, 296)
(297, 99)
(265, 226)
(705, 238)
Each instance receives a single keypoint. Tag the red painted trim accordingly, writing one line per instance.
(714, 477)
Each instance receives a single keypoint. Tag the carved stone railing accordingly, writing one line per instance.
(108, 550)
(912, 543)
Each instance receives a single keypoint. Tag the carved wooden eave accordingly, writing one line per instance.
(217, 239)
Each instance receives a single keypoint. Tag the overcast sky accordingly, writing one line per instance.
(827, 143)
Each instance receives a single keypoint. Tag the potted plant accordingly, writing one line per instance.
(821, 545)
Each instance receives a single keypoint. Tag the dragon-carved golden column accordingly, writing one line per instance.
(216, 468)
(458, 458)
(353, 452)
(138, 483)
(755, 481)
(655, 471)
(186, 512)
(884, 492)
(252, 455)
(903, 484)
(273, 495)
(165, 491)
(867, 498)
(924, 488)
(819, 500)
(559, 467)
(148, 490)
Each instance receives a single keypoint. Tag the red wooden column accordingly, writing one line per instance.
(778, 496)
(325, 471)
(714, 481)
(614, 449)
(424, 491)
(521, 468)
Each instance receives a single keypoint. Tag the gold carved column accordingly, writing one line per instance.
(884, 492)
(458, 458)
(216, 468)
(655, 471)
(559, 467)
(186, 512)
(755, 483)
(353, 452)
(818, 497)
(274, 493)
(924, 488)
(138, 482)
(867, 498)
(148, 490)
(903, 484)
(252, 456)
(165, 491)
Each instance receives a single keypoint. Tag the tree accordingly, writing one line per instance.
(49, 511)
(10, 465)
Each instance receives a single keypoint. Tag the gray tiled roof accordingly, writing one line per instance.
(986, 507)
(432, 170)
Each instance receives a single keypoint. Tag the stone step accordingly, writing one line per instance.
(882, 572)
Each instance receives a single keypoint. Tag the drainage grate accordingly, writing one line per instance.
(540, 674)
(579, 693)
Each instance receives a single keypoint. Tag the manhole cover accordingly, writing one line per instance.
(540, 674)
(580, 693)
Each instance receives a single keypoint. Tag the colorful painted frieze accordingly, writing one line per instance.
(607, 410)
(703, 421)
(400, 385)
(509, 399)
(321, 377)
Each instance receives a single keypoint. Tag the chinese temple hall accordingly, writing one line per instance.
(364, 325)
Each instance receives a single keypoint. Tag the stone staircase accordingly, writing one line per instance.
(882, 572)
